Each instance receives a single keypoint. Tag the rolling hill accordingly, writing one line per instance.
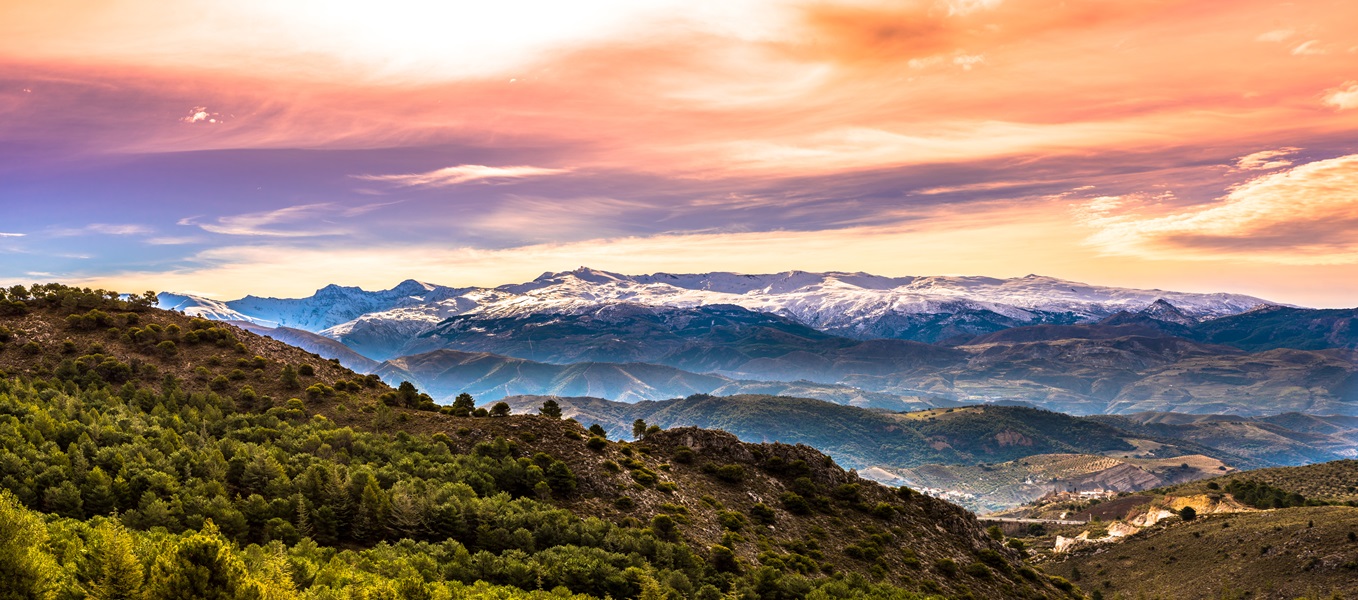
(864, 439)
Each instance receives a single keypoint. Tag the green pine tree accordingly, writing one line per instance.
(200, 567)
(463, 405)
(116, 572)
(551, 409)
(26, 569)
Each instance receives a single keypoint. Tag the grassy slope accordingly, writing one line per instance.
(1287, 553)
(1335, 481)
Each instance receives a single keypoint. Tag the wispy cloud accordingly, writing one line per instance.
(103, 229)
(1305, 215)
(1266, 160)
(461, 174)
(1309, 48)
(1343, 97)
(540, 219)
(11, 235)
(293, 221)
(1276, 35)
(173, 241)
(364, 209)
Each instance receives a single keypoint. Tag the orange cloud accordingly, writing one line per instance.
(857, 85)
(1305, 215)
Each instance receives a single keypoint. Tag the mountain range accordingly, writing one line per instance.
(856, 305)
(895, 343)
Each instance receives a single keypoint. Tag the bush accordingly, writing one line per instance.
(731, 520)
(730, 473)
(665, 527)
(978, 571)
(596, 444)
(168, 349)
(762, 514)
(946, 566)
(724, 560)
(795, 503)
(683, 455)
(219, 384)
(1187, 513)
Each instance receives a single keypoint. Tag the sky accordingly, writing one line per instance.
(271, 148)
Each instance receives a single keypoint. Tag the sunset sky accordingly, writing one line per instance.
(272, 147)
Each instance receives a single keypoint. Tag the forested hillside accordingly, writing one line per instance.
(147, 454)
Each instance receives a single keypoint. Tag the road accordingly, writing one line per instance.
(1042, 521)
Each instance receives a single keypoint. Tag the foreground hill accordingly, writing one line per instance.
(1255, 534)
(146, 451)
(1283, 554)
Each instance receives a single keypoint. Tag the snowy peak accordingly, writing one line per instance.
(410, 287)
(859, 305)
(1161, 310)
(207, 308)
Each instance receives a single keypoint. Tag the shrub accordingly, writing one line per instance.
(795, 503)
(683, 455)
(596, 444)
(731, 520)
(883, 510)
(946, 566)
(978, 571)
(665, 527)
(644, 477)
(762, 514)
(730, 473)
(168, 349)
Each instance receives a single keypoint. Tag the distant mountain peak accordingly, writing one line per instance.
(411, 286)
(1163, 310)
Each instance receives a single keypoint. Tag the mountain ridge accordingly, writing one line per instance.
(847, 304)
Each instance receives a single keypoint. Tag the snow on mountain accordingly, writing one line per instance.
(329, 306)
(207, 308)
(852, 301)
(853, 304)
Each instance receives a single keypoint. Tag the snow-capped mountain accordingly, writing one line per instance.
(856, 305)
(329, 306)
